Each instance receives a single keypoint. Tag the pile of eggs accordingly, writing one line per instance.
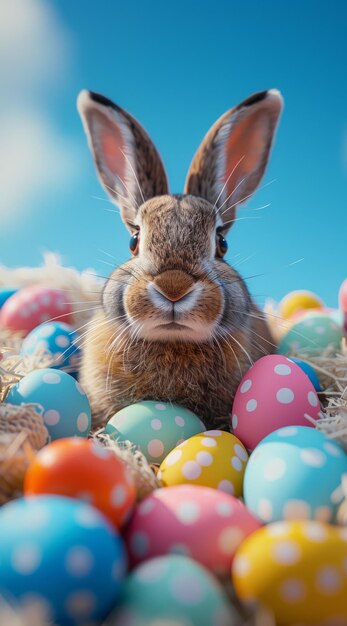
(256, 505)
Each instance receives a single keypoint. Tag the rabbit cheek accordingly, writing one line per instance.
(137, 303)
(212, 303)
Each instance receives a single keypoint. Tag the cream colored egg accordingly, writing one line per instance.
(214, 459)
(297, 570)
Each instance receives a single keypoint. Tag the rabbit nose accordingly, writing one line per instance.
(173, 284)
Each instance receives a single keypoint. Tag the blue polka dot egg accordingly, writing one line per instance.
(155, 428)
(61, 556)
(295, 473)
(59, 398)
(57, 340)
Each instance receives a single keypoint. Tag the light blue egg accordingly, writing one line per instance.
(59, 398)
(295, 473)
(309, 371)
(175, 590)
(58, 340)
(62, 555)
(5, 294)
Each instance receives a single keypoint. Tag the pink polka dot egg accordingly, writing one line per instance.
(274, 392)
(33, 305)
(202, 523)
(214, 458)
(154, 427)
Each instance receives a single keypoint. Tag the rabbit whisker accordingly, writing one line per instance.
(226, 182)
(133, 171)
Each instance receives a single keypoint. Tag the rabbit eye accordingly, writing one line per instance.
(222, 245)
(134, 243)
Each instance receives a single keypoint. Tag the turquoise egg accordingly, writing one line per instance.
(309, 371)
(5, 294)
(312, 336)
(59, 398)
(62, 556)
(57, 339)
(295, 473)
(172, 590)
(154, 427)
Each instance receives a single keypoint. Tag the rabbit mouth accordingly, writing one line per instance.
(172, 326)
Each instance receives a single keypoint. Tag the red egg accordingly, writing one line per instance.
(33, 305)
(274, 392)
(79, 468)
(203, 523)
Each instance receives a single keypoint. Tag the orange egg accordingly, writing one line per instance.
(82, 469)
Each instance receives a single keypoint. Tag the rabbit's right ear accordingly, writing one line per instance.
(126, 160)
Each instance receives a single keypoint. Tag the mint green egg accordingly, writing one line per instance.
(312, 336)
(172, 590)
(154, 427)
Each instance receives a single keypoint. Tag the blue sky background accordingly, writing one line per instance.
(176, 66)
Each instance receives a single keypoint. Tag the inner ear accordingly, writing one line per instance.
(111, 146)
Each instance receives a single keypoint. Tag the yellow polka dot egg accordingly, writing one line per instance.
(297, 570)
(213, 458)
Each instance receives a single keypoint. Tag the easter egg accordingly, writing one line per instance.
(5, 294)
(62, 556)
(273, 393)
(305, 578)
(295, 473)
(311, 336)
(81, 468)
(172, 590)
(60, 399)
(214, 458)
(56, 339)
(309, 371)
(154, 427)
(33, 305)
(203, 523)
(297, 300)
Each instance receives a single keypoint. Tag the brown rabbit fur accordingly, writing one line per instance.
(176, 323)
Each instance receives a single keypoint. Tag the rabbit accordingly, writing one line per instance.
(177, 322)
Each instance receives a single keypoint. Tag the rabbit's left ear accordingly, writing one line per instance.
(232, 158)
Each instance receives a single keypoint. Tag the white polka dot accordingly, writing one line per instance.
(82, 422)
(241, 566)
(224, 509)
(246, 385)
(24, 312)
(191, 470)
(226, 486)
(146, 506)
(33, 604)
(151, 571)
(282, 369)
(291, 431)
(45, 299)
(160, 407)
(213, 433)
(332, 449)
(292, 590)
(26, 559)
(275, 469)
(187, 512)
(236, 463)
(313, 457)
(337, 495)
(234, 421)
(139, 543)
(251, 405)
(286, 552)
(209, 443)
(314, 531)
(296, 510)
(265, 510)
(323, 514)
(79, 389)
(51, 417)
(51, 378)
(173, 457)
(285, 395)
(156, 424)
(277, 529)
(312, 398)
(320, 330)
(79, 561)
(179, 548)
(186, 590)
(47, 330)
(88, 517)
(240, 452)
(80, 604)
(343, 533)
(179, 420)
(37, 516)
(229, 539)
(328, 580)
(204, 458)
(155, 448)
(118, 495)
(44, 318)
(62, 341)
